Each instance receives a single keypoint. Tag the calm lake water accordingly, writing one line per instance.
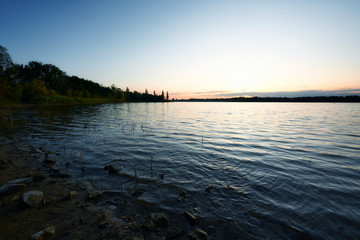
(278, 170)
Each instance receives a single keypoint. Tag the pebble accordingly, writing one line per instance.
(37, 150)
(196, 209)
(72, 194)
(112, 207)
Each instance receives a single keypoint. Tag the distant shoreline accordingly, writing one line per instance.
(327, 99)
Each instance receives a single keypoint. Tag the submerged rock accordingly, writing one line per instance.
(36, 150)
(32, 198)
(94, 194)
(182, 196)
(14, 186)
(198, 234)
(55, 172)
(61, 174)
(137, 236)
(44, 234)
(209, 188)
(156, 220)
(49, 160)
(113, 168)
(38, 176)
(174, 232)
(4, 163)
(159, 219)
(137, 192)
(91, 191)
(190, 217)
(107, 218)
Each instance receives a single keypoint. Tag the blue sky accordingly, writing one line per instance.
(192, 48)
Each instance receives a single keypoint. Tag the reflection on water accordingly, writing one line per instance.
(276, 170)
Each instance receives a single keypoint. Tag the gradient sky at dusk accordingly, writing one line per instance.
(192, 48)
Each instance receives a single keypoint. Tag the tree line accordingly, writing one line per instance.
(38, 82)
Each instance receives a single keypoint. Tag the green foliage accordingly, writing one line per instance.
(4, 87)
(37, 87)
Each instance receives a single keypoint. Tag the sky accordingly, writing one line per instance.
(193, 48)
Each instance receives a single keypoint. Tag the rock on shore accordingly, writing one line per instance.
(14, 186)
(32, 198)
(44, 234)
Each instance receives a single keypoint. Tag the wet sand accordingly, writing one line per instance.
(86, 213)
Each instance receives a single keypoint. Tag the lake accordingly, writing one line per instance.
(273, 170)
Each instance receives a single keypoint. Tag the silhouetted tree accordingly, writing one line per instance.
(127, 95)
(167, 96)
(5, 60)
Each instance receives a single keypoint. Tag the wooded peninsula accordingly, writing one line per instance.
(47, 84)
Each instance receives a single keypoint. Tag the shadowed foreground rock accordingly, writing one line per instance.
(14, 186)
(44, 234)
(32, 198)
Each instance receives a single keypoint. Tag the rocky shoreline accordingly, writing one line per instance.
(38, 201)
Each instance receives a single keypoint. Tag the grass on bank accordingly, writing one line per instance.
(60, 99)
(54, 100)
(7, 123)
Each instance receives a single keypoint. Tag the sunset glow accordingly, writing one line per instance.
(192, 49)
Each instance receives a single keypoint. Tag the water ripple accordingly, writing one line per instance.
(277, 170)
